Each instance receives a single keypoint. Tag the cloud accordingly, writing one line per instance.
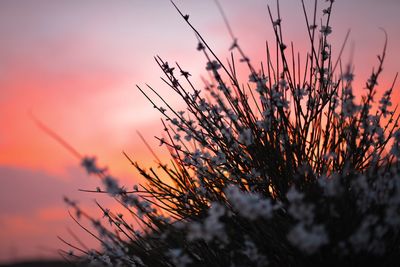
(32, 213)
(25, 191)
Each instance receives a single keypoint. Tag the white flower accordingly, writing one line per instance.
(264, 124)
(395, 150)
(105, 259)
(362, 236)
(251, 251)
(203, 105)
(213, 65)
(211, 227)
(70, 202)
(308, 239)
(294, 195)
(177, 137)
(253, 77)
(129, 200)
(302, 212)
(175, 121)
(111, 185)
(188, 137)
(225, 89)
(277, 22)
(92, 256)
(300, 92)
(250, 205)
(246, 137)
(349, 108)
(385, 102)
(283, 83)
(234, 44)
(326, 30)
(313, 26)
(330, 185)
(89, 163)
(179, 258)
(278, 99)
(195, 231)
(392, 215)
(326, 11)
(219, 158)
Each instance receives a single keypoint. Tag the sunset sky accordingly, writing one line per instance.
(75, 65)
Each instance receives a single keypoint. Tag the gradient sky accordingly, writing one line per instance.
(75, 65)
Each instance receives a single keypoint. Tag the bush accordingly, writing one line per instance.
(287, 170)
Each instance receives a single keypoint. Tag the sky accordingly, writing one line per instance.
(75, 66)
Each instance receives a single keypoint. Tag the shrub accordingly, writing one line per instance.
(286, 170)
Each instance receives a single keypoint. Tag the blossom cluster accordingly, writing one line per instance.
(292, 170)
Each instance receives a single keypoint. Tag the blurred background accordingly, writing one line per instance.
(75, 65)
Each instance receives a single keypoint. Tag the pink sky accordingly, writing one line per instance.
(75, 64)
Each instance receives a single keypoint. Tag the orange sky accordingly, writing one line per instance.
(75, 65)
